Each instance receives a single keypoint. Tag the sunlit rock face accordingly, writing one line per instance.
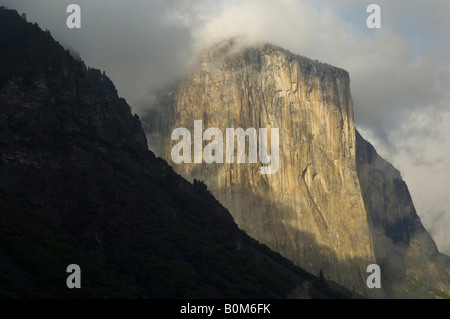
(311, 210)
(333, 204)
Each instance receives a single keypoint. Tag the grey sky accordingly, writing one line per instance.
(400, 74)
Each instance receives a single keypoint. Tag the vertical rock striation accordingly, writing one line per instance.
(312, 210)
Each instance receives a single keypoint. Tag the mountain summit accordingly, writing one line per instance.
(333, 207)
(79, 186)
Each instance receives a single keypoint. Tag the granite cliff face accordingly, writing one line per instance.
(412, 264)
(311, 210)
(334, 204)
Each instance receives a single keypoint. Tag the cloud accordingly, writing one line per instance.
(386, 78)
(423, 155)
(400, 74)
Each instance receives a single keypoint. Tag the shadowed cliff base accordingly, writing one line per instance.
(299, 245)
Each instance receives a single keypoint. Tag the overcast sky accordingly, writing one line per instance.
(400, 74)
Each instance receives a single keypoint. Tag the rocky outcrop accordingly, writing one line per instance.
(311, 210)
(412, 265)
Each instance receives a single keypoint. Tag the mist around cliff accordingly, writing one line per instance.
(399, 73)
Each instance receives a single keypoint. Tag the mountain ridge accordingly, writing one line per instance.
(402, 244)
(78, 185)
